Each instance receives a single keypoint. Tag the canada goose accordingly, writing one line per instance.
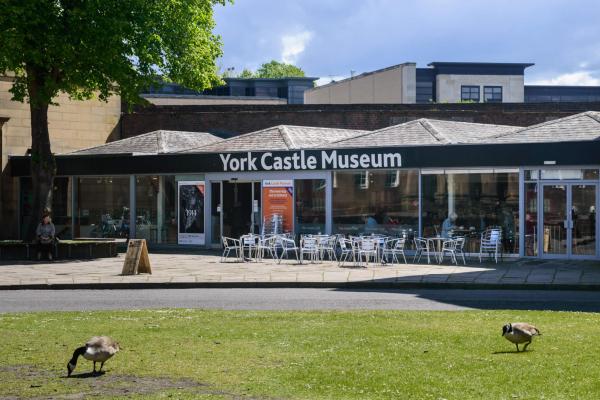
(520, 332)
(97, 349)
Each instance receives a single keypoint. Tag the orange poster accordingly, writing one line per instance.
(278, 206)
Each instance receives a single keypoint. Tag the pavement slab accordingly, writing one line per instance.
(206, 269)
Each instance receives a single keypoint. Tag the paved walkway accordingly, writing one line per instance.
(195, 270)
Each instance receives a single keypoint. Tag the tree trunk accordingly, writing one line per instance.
(43, 165)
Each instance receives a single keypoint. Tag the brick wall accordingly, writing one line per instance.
(232, 120)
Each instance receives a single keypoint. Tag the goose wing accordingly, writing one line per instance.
(526, 329)
(104, 342)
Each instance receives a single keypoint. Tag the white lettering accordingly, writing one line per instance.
(225, 160)
(263, 162)
(234, 164)
(394, 159)
(330, 159)
(354, 161)
(311, 162)
(251, 162)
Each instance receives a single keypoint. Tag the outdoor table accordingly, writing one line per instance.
(437, 243)
(249, 242)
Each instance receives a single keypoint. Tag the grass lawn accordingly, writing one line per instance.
(302, 355)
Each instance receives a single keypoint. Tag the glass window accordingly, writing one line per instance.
(147, 198)
(167, 210)
(390, 206)
(310, 206)
(492, 94)
(103, 207)
(469, 93)
(465, 204)
(566, 174)
(61, 206)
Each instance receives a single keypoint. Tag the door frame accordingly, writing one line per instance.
(568, 206)
(259, 177)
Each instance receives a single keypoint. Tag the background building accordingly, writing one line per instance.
(235, 91)
(446, 82)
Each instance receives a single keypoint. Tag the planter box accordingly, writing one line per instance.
(14, 250)
(65, 249)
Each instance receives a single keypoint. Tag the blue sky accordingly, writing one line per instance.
(330, 38)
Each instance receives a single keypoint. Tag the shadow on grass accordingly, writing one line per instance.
(85, 375)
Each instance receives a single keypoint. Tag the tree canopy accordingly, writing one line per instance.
(106, 46)
(274, 69)
(89, 48)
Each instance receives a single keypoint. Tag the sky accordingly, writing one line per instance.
(330, 38)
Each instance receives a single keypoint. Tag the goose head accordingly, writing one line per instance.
(70, 368)
(506, 329)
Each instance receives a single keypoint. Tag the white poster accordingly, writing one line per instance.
(191, 212)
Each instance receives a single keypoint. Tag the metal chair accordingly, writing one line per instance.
(327, 245)
(394, 247)
(367, 248)
(266, 245)
(348, 250)
(286, 246)
(491, 243)
(449, 247)
(229, 245)
(421, 246)
(308, 246)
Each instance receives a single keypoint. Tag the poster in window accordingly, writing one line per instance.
(191, 212)
(278, 206)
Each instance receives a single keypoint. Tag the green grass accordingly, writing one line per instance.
(305, 355)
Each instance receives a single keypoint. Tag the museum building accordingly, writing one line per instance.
(540, 184)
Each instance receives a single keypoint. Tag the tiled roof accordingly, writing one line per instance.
(578, 127)
(426, 132)
(156, 142)
(282, 137)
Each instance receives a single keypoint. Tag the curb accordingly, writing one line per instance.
(314, 285)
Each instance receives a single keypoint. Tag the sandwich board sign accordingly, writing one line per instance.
(136, 258)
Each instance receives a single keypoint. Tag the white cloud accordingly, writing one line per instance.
(294, 45)
(579, 78)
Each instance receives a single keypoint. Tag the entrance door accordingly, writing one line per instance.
(569, 220)
(240, 208)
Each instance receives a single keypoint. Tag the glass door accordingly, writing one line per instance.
(569, 220)
(583, 220)
(554, 220)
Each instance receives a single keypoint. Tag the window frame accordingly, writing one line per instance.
(470, 87)
(493, 99)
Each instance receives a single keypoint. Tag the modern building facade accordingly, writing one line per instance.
(539, 184)
(235, 91)
(447, 82)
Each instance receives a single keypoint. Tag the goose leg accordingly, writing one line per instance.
(516, 344)
(94, 367)
(526, 344)
(101, 365)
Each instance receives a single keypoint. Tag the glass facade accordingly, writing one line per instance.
(384, 202)
(466, 203)
(62, 206)
(309, 210)
(102, 207)
(558, 207)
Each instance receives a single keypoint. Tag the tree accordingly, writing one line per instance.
(275, 69)
(246, 73)
(99, 48)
